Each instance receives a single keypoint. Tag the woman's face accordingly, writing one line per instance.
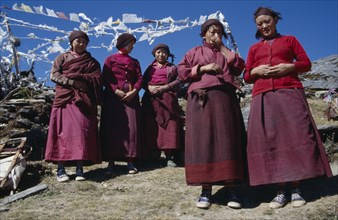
(266, 25)
(213, 36)
(161, 55)
(79, 45)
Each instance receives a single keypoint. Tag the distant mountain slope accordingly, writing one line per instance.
(324, 74)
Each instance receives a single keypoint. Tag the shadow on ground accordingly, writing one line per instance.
(252, 197)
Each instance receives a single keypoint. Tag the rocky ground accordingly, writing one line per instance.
(157, 192)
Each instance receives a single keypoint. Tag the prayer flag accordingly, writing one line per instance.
(61, 15)
(16, 7)
(26, 8)
(39, 10)
(74, 17)
(51, 13)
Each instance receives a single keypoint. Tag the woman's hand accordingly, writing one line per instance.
(281, 69)
(161, 89)
(152, 89)
(120, 93)
(79, 85)
(261, 71)
(229, 55)
(129, 95)
(266, 71)
(211, 68)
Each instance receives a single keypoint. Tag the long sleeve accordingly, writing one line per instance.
(138, 75)
(302, 61)
(56, 75)
(238, 66)
(109, 79)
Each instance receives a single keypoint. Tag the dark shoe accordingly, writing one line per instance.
(279, 201)
(61, 175)
(109, 170)
(171, 163)
(131, 168)
(80, 175)
(233, 201)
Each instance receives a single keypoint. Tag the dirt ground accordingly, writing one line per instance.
(156, 192)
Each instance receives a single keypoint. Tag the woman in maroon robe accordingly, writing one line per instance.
(284, 145)
(73, 127)
(160, 107)
(215, 132)
(120, 118)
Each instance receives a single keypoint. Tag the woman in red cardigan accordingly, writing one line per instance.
(284, 146)
(121, 111)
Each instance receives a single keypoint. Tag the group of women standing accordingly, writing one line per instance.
(282, 145)
(73, 133)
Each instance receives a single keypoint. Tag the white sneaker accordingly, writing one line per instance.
(203, 201)
(131, 168)
(62, 178)
(296, 199)
(279, 201)
(80, 178)
(234, 202)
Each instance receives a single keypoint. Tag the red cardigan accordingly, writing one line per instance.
(283, 49)
(119, 69)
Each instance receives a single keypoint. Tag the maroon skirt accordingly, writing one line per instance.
(283, 142)
(157, 137)
(72, 135)
(214, 138)
(120, 128)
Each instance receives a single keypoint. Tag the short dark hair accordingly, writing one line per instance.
(208, 23)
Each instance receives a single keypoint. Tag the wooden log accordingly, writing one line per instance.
(23, 194)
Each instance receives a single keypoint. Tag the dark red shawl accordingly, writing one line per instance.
(165, 105)
(84, 68)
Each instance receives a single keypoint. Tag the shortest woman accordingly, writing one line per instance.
(161, 111)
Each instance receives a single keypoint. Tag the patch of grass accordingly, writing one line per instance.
(330, 147)
(318, 107)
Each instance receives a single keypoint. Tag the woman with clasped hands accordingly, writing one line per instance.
(284, 146)
(120, 121)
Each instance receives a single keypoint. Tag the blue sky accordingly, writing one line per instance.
(314, 23)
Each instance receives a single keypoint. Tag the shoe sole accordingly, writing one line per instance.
(62, 180)
(297, 204)
(234, 205)
(80, 178)
(203, 205)
(277, 205)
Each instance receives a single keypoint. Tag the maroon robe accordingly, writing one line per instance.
(161, 114)
(215, 132)
(121, 121)
(73, 127)
(284, 144)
